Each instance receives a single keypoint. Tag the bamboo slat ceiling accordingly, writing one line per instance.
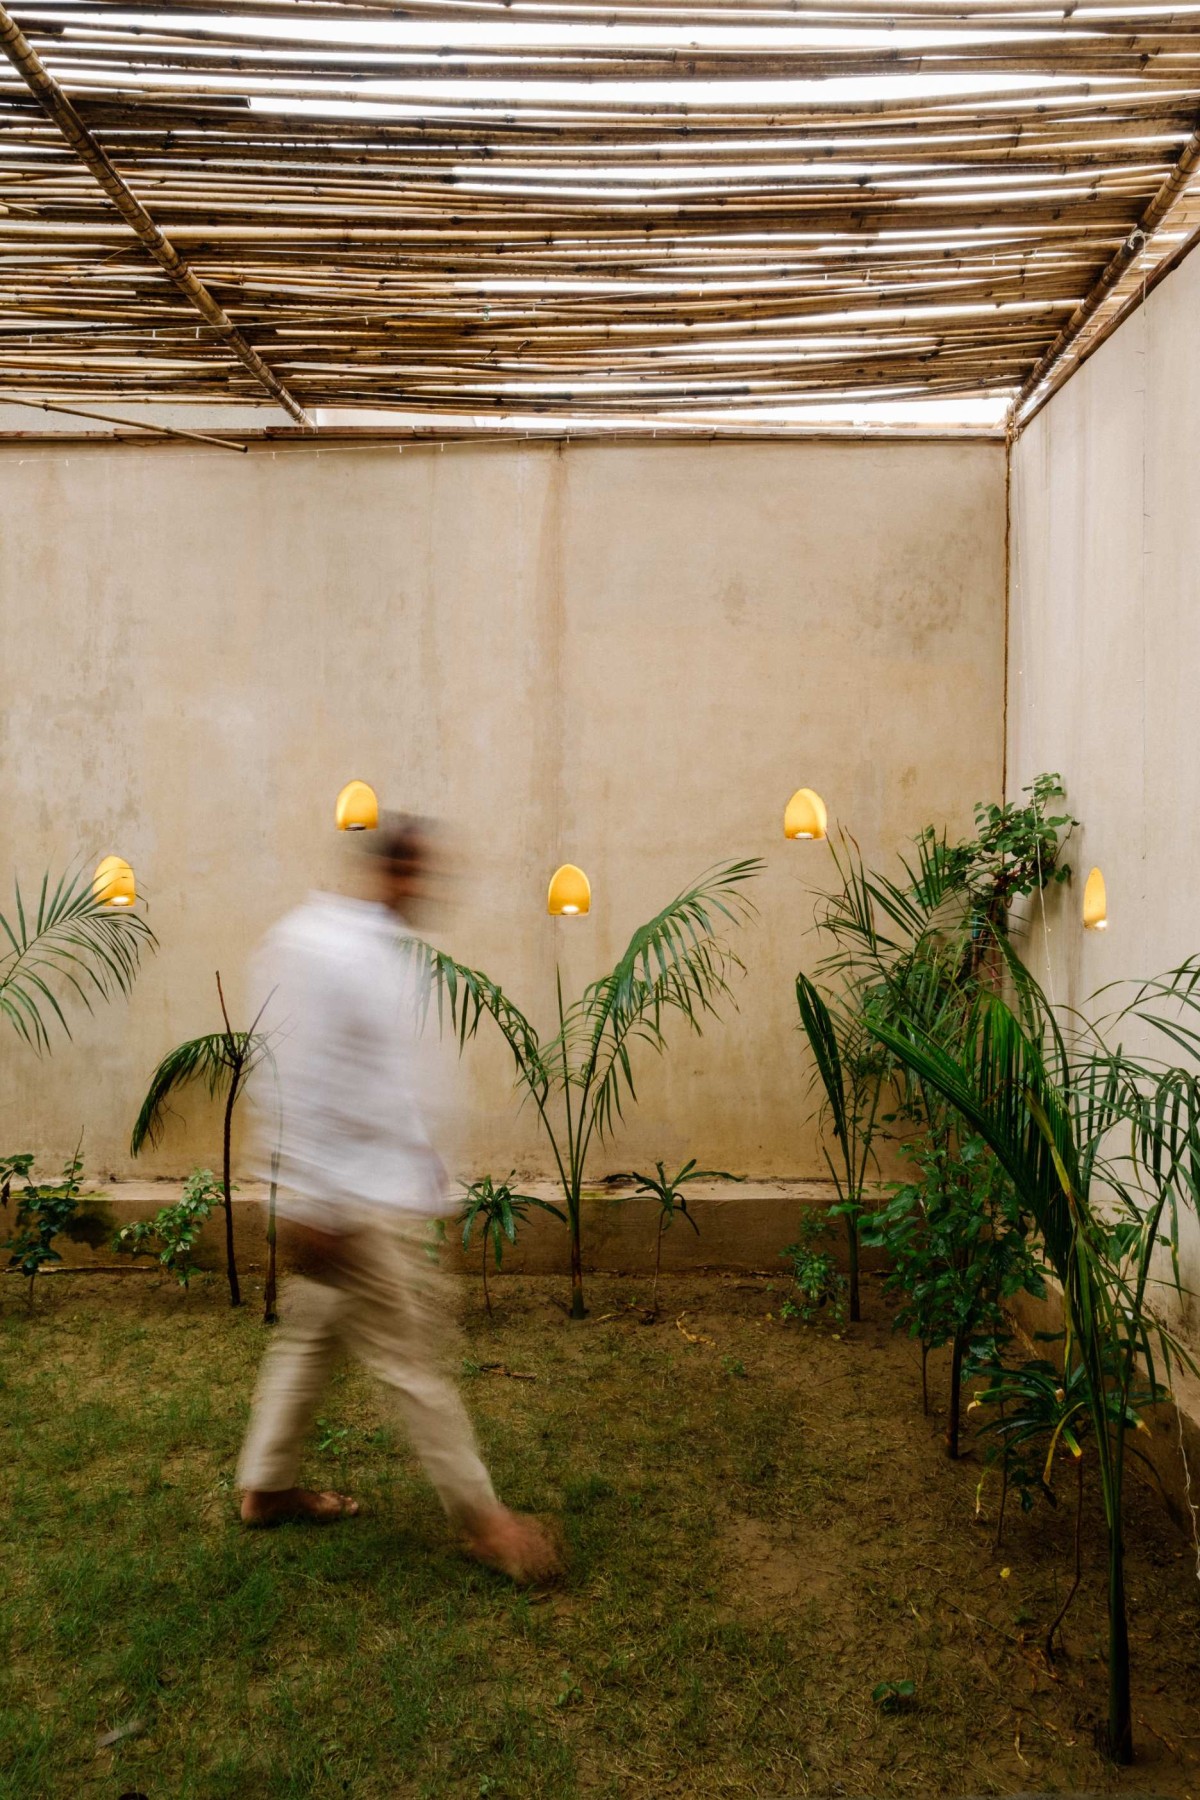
(551, 206)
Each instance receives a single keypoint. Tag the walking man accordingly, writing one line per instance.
(359, 1184)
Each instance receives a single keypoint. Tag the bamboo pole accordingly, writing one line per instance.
(60, 110)
(1113, 323)
(1166, 198)
(78, 412)
(597, 251)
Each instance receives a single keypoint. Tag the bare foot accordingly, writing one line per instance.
(296, 1504)
(517, 1544)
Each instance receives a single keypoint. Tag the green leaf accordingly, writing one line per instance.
(72, 945)
(675, 963)
(211, 1060)
(890, 1693)
(465, 995)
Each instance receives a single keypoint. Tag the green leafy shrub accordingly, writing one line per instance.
(1017, 849)
(958, 1246)
(42, 1212)
(172, 1233)
(928, 941)
(818, 1285)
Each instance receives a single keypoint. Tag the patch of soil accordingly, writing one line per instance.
(771, 1574)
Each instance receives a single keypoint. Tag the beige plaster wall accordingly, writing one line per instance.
(627, 657)
(1105, 647)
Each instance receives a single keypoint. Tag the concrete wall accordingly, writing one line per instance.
(627, 657)
(1105, 649)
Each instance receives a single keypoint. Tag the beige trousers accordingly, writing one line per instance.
(389, 1306)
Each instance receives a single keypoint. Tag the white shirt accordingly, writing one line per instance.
(339, 1095)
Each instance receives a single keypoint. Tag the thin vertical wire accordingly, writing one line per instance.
(1193, 1509)
(1008, 460)
(1144, 353)
(1027, 707)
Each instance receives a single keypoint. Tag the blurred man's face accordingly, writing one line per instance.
(412, 890)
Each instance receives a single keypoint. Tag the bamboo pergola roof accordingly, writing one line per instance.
(530, 207)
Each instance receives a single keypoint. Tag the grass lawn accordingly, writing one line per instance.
(762, 1527)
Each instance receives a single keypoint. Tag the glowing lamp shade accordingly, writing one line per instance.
(113, 883)
(570, 893)
(1095, 903)
(805, 816)
(357, 807)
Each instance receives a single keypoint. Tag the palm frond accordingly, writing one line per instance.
(466, 995)
(872, 919)
(663, 1186)
(210, 1060)
(499, 1209)
(674, 963)
(68, 945)
(1178, 991)
(822, 1036)
(996, 1079)
(668, 1189)
(926, 926)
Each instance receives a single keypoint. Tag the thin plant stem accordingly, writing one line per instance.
(859, 1175)
(235, 1074)
(1003, 1487)
(574, 1158)
(1064, 1608)
(956, 1363)
(235, 1292)
(852, 1252)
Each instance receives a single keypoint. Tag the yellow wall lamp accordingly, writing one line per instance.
(570, 893)
(1095, 903)
(805, 816)
(113, 884)
(357, 808)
